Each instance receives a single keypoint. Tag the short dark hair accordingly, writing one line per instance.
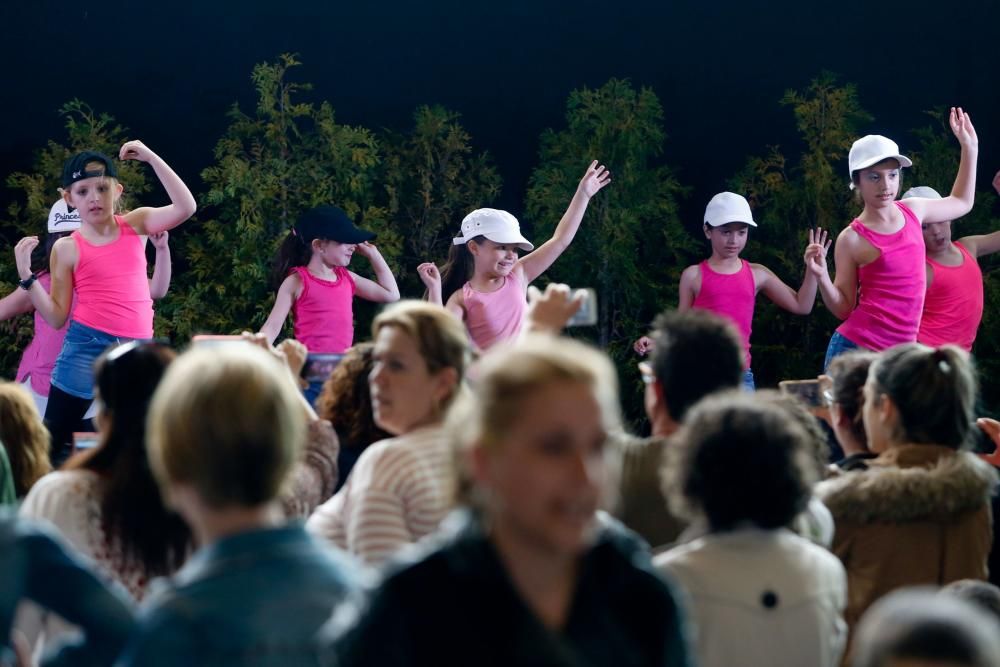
(695, 353)
(739, 459)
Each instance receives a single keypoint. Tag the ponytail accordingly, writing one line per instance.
(458, 269)
(292, 252)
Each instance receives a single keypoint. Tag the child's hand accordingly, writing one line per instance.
(595, 178)
(135, 150)
(366, 249)
(22, 255)
(550, 311)
(643, 345)
(961, 125)
(996, 182)
(295, 355)
(815, 255)
(429, 275)
(991, 427)
(159, 240)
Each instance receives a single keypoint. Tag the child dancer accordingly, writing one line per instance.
(35, 369)
(484, 283)
(881, 277)
(104, 264)
(728, 285)
(317, 287)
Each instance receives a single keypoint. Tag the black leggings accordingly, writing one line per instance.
(64, 416)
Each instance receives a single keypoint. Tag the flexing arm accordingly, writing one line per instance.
(381, 290)
(54, 305)
(536, 263)
(159, 285)
(802, 301)
(839, 295)
(431, 278)
(149, 220)
(287, 294)
(963, 192)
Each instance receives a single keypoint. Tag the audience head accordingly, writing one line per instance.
(346, 400)
(817, 445)
(982, 594)
(846, 398)
(739, 459)
(24, 436)
(919, 395)
(532, 438)
(421, 353)
(695, 353)
(226, 424)
(918, 628)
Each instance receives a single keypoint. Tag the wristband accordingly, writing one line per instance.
(28, 282)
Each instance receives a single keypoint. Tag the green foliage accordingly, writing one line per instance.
(433, 178)
(271, 166)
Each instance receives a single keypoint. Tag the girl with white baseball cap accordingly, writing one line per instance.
(484, 282)
(881, 278)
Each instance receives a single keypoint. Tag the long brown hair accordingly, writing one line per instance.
(24, 436)
(457, 270)
(346, 399)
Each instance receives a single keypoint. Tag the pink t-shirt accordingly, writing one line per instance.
(39, 356)
(111, 284)
(323, 315)
(730, 295)
(891, 289)
(953, 308)
(492, 317)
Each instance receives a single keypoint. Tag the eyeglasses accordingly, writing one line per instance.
(646, 371)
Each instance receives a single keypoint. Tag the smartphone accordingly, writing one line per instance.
(319, 366)
(587, 315)
(205, 339)
(84, 440)
(808, 391)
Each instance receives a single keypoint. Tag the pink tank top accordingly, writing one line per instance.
(39, 356)
(954, 304)
(323, 315)
(890, 289)
(731, 295)
(112, 287)
(492, 317)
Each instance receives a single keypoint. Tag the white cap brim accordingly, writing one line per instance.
(901, 159)
(519, 241)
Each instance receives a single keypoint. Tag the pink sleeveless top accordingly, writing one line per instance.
(953, 307)
(39, 356)
(492, 317)
(890, 289)
(731, 296)
(323, 315)
(112, 287)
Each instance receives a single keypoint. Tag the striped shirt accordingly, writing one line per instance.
(399, 491)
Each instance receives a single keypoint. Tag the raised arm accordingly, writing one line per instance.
(381, 290)
(53, 306)
(149, 220)
(159, 285)
(799, 302)
(536, 263)
(430, 276)
(984, 244)
(839, 295)
(963, 192)
(282, 304)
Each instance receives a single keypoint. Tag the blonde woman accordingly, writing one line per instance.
(534, 573)
(24, 436)
(401, 488)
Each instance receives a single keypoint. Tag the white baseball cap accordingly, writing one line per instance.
(61, 219)
(872, 149)
(727, 207)
(922, 191)
(496, 225)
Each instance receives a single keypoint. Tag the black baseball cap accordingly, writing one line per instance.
(75, 168)
(330, 223)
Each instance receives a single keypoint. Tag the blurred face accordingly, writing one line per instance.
(94, 198)
(405, 395)
(727, 240)
(937, 235)
(494, 258)
(333, 253)
(879, 184)
(546, 475)
(876, 417)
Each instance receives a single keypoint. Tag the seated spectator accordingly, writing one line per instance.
(982, 594)
(916, 628)
(532, 574)
(24, 436)
(920, 513)
(760, 594)
(845, 396)
(346, 402)
(695, 353)
(225, 431)
(401, 488)
(35, 566)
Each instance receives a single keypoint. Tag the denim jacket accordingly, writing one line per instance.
(255, 598)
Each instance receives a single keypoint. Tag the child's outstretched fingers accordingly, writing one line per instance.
(991, 427)
(22, 254)
(595, 178)
(961, 126)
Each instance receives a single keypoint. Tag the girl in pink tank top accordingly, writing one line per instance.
(104, 264)
(881, 280)
(484, 283)
(728, 285)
